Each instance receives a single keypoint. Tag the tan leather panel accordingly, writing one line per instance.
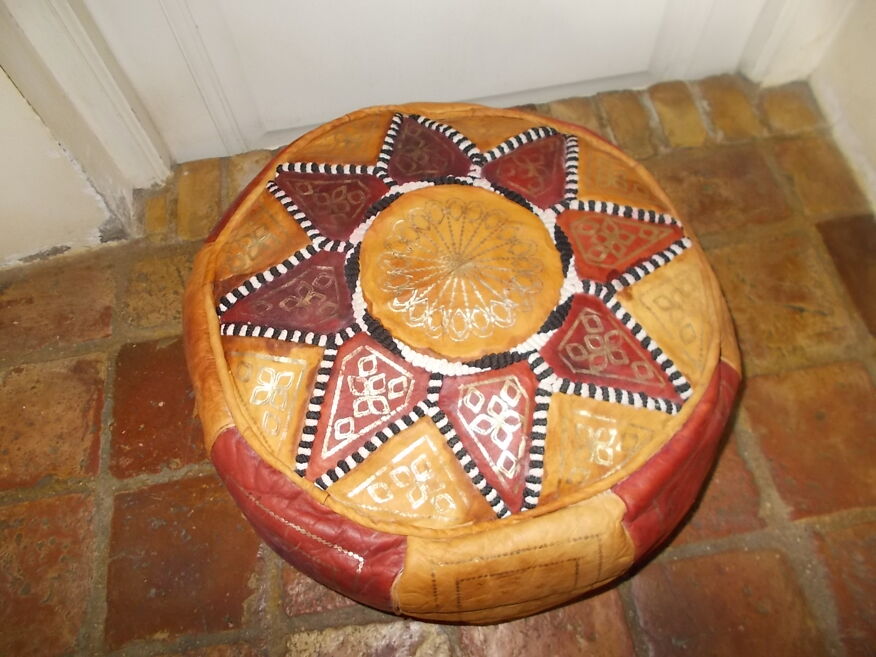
(607, 177)
(351, 142)
(489, 132)
(262, 235)
(459, 272)
(588, 441)
(517, 568)
(415, 480)
(678, 307)
(273, 381)
(199, 320)
(729, 346)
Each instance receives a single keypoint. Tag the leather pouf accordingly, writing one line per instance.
(458, 363)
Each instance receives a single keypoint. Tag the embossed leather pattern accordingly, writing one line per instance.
(458, 363)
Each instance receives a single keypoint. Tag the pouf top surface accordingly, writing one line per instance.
(437, 318)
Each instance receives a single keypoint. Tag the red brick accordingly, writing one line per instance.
(181, 561)
(678, 114)
(154, 292)
(722, 188)
(593, 626)
(816, 428)
(786, 308)
(302, 595)
(55, 306)
(821, 177)
(850, 556)
(852, 245)
(730, 503)
(154, 424)
(46, 572)
(736, 603)
(50, 421)
(399, 639)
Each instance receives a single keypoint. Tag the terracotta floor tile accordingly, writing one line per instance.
(727, 97)
(790, 108)
(593, 626)
(817, 428)
(156, 219)
(629, 122)
(399, 639)
(737, 603)
(302, 595)
(723, 188)
(820, 176)
(154, 292)
(181, 560)
(46, 549)
(50, 417)
(681, 120)
(154, 426)
(850, 556)
(787, 309)
(852, 246)
(60, 305)
(730, 503)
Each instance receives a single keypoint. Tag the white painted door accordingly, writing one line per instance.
(224, 76)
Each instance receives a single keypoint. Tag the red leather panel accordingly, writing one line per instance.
(351, 559)
(661, 492)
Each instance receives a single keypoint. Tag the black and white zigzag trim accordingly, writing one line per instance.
(245, 330)
(459, 140)
(314, 410)
(535, 471)
(346, 464)
(618, 210)
(388, 144)
(571, 165)
(490, 494)
(332, 169)
(515, 142)
(256, 281)
(638, 271)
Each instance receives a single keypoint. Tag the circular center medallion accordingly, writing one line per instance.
(459, 272)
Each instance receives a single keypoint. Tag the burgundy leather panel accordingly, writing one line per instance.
(358, 562)
(662, 491)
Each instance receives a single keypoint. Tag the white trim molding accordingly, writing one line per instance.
(57, 58)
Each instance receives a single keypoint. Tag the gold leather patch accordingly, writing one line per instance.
(677, 306)
(353, 142)
(273, 381)
(517, 567)
(488, 132)
(414, 479)
(606, 177)
(263, 235)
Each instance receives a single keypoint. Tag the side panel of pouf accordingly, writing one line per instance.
(663, 490)
(516, 568)
(358, 562)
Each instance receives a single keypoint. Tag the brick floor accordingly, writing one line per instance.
(117, 538)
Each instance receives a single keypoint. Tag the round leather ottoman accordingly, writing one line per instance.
(458, 363)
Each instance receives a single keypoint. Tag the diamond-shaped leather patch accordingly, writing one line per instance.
(492, 415)
(313, 296)
(593, 346)
(536, 170)
(335, 203)
(420, 152)
(370, 387)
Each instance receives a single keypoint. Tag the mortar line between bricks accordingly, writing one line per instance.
(796, 539)
(636, 630)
